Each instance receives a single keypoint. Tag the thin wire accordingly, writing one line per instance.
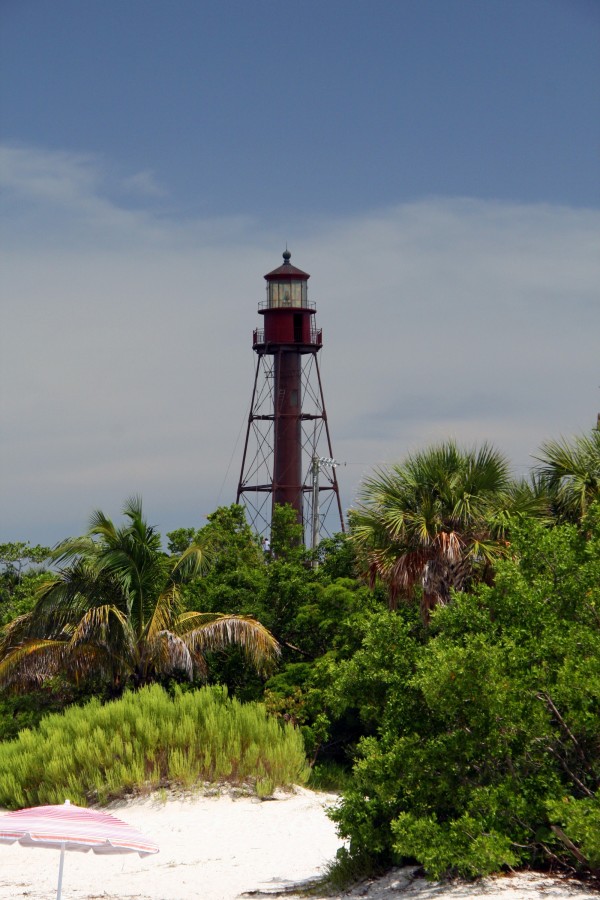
(234, 451)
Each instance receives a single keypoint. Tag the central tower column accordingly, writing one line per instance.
(287, 461)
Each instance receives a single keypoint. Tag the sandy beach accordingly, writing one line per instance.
(222, 847)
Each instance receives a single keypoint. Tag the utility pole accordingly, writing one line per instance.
(317, 463)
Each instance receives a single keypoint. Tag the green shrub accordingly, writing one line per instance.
(459, 847)
(576, 823)
(147, 739)
(329, 776)
(483, 726)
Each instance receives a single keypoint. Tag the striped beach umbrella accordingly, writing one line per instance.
(70, 827)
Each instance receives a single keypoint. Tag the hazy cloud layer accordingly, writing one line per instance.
(126, 361)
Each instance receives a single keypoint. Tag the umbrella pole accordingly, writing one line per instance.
(60, 871)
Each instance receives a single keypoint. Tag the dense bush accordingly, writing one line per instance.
(148, 739)
(317, 613)
(485, 749)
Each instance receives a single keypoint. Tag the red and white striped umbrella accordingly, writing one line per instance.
(70, 827)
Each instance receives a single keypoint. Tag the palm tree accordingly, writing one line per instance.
(438, 520)
(571, 471)
(116, 612)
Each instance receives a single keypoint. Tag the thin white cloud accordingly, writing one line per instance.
(126, 361)
(60, 199)
(64, 179)
(145, 184)
(54, 198)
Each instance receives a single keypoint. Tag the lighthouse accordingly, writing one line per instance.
(288, 457)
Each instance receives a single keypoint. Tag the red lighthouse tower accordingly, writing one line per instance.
(287, 454)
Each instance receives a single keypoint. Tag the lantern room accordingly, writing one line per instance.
(286, 285)
(288, 316)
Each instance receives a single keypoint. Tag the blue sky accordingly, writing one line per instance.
(434, 164)
(339, 106)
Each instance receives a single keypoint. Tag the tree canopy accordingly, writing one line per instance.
(571, 472)
(438, 519)
(484, 743)
(115, 613)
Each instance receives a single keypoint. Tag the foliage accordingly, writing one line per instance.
(20, 556)
(459, 846)
(311, 611)
(19, 711)
(438, 520)
(147, 739)
(473, 729)
(21, 567)
(19, 598)
(287, 535)
(571, 473)
(347, 869)
(581, 822)
(234, 584)
(328, 624)
(316, 615)
(116, 613)
(329, 776)
(233, 544)
(482, 726)
(336, 557)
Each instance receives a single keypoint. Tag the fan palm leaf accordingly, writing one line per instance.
(571, 472)
(436, 517)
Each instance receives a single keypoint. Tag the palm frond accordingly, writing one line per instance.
(14, 633)
(571, 472)
(72, 548)
(114, 611)
(65, 597)
(194, 561)
(31, 663)
(168, 653)
(133, 507)
(215, 631)
(166, 612)
(404, 572)
(101, 526)
(450, 545)
(433, 513)
(94, 624)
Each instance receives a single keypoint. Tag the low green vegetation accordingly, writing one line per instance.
(483, 740)
(439, 665)
(146, 740)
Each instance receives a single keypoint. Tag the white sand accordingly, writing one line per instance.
(218, 848)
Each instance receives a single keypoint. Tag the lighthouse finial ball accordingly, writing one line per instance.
(287, 255)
